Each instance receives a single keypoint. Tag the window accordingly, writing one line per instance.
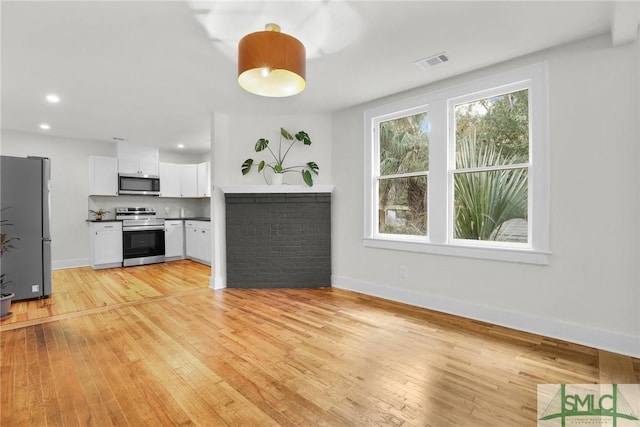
(402, 177)
(462, 171)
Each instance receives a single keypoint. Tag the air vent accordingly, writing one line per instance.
(432, 60)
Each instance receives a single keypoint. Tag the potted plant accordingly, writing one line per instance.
(277, 165)
(5, 296)
(99, 213)
(6, 244)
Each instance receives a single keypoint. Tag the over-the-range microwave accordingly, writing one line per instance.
(142, 185)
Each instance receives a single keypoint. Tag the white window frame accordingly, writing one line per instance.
(440, 176)
(376, 164)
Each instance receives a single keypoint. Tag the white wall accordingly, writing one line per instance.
(590, 291)
(245, 130)
(69, 188)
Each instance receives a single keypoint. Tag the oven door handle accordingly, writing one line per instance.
(143, 228)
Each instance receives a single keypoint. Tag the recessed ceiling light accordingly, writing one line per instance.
(53, 98)
(180, 145)
(45, 126)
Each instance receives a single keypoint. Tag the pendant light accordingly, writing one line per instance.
(271, 63)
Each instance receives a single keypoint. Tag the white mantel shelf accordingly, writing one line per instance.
(235, 189)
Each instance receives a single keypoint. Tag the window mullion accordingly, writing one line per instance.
(437, 184)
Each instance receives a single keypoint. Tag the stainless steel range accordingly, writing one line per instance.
(142, 236)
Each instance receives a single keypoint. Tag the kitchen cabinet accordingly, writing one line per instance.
(106, 244)
(137, 159)
(138, 167)
(174, 239)
(188, 180)
(103, 176)
(198, 240)
(184, 180)
(204, 180)
(170, 180)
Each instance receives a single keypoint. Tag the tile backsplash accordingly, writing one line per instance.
(166, 207)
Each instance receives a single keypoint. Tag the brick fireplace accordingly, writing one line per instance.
(278, 239)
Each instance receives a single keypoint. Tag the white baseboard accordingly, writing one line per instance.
(217, 282)
(70, 263)
(553, 328)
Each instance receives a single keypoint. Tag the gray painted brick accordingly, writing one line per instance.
(278, 240)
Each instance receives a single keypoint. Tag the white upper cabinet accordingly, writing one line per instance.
(103, 176)
(170, 180)
(127, 166)
(148, 168)
(188, 180)
(184, 180)
(204, 180)
(139, 167)
(137, 159)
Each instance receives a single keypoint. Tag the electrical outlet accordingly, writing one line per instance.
(35, 288)
(403, 271)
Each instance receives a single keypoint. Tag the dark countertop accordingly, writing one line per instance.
(189, 218)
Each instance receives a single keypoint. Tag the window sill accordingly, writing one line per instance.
(526, 256)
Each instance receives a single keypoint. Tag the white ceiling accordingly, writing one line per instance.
(150, 73)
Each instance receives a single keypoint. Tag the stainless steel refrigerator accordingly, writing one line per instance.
(25, 215)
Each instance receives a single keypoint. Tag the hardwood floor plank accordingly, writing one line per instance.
(96, 374)
(32, 361)
(154, 346)
(616, 369)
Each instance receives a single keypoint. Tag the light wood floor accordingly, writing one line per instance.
(81, 289)
(299, 357)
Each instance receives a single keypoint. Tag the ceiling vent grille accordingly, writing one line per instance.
(432, 60)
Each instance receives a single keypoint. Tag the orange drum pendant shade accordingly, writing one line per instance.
(271, 63)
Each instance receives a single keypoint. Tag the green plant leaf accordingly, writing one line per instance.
(285, 134)
(306, 176)
(261, 166)
(304, 137)
(278, 168)
(314, 167)
(246, 166)
(486, 200)
(261, 144)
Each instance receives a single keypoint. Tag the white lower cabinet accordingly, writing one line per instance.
(106, 244)
(173, 239)
(198, 240)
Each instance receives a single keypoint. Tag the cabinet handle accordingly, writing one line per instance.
(108, 226)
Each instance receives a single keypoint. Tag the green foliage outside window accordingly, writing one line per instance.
(501, 122)
(485, 201)
(492, 204)
(404, 149)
